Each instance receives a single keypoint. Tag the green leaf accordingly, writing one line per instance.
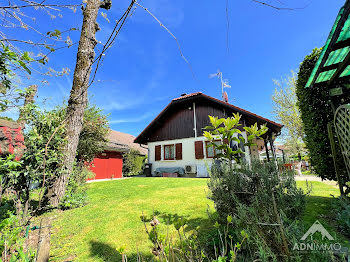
(26, 57)
(221, 130)
(24, 66)
(208, 135)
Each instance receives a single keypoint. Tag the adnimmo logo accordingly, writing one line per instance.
(317, 227)
(309, 244)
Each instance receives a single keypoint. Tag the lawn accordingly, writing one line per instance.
(308, 173)
(319, 207)
(112, 217)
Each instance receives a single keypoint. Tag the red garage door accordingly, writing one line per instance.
(107, 165)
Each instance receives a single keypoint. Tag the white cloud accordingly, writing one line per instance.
(132, 119)
(120, 105)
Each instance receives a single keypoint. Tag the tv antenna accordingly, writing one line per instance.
(224, 84)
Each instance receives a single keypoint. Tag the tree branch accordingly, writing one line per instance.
(273, 6)
(37, 5)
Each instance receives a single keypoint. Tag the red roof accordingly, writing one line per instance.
(187, 96)
(200, 94)
(118, 141)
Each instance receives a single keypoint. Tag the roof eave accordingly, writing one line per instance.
(141, 139)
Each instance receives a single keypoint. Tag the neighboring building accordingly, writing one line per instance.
(280, 153)
(175, 137)
(109, 164)
(11, 139)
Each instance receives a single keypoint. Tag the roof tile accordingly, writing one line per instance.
(122, 140)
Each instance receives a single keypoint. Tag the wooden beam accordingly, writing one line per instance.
(267, 150)
(330, 67)
(272, 148)
(320, 84)
(340, 69)
(341, 44)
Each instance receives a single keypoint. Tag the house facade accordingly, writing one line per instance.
(109, 163)
(175, 137)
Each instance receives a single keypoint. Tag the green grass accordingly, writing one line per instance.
(308, 173)
(319, 207)
(112, 217)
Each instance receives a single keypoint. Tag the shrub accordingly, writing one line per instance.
(316, 112)
(11, 237)
(47, 134)
(342, 210)
(188, 247)
(226, 130)
(259, 198)
(133, 163)
(76, 195)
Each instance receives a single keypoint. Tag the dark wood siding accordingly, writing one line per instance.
(176, 120)
(203, 110)
(177, 124)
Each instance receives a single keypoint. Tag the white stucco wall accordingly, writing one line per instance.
(188, 155)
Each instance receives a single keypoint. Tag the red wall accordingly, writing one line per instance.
(106, 165)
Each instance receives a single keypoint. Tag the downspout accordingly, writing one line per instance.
(194, 119)
(148, 158)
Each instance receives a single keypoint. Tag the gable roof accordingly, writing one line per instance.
(122, 142)
(276, 126)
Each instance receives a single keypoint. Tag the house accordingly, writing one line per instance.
(11, 139)
(109, 163)
(280, 153)
(175, 137)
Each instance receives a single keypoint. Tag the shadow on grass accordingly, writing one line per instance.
(109, 254)
(322, 209)
(317, 207)
(191, 223)
(206, 233)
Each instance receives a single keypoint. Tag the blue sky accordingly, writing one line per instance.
(143, 71)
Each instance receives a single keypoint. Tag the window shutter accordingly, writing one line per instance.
(198, 148)
(158, 153)
(178, 151)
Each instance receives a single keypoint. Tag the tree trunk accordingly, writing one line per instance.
(29, 99)
(78, 98)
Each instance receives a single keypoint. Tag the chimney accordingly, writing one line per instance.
(225, 97)
(183, 94)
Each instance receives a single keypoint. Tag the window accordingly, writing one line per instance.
(169, 152)
(211, 150)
